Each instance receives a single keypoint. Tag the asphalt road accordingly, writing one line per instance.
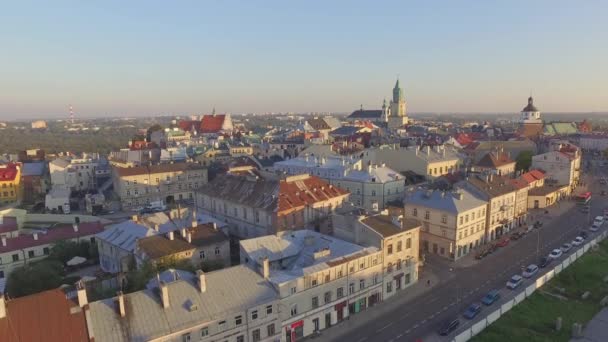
(421, 317)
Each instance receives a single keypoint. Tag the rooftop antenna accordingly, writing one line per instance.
(71, 114)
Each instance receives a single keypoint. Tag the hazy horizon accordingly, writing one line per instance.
(137, 58)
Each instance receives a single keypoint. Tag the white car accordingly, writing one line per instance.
(594, 228)
(514, 282)
(566, 247)
(556, 253)
(599, 220)
(530, 271)
(578, 241)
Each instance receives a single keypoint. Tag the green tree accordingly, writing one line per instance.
(34, 278)
(524, 161)
(63, 251)
(137, 279)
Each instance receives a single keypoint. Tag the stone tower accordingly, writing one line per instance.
(398, 114)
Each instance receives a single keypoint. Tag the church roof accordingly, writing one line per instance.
(530, 107)
(366, 114)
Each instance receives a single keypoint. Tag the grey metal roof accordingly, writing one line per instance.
(445, 201)
(229, 291)
(260, 193)
(125, 234)
(33, 169)
(366, 113)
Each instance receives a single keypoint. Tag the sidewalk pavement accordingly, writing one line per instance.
(406, 295)
(596, 330)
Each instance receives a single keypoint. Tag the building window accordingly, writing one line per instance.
(294, 309)
(389, 267)
(373, 192)
(217, 251)
(240, 338)
(201, 255)
(15, 257)
(314, 282)
(444, 218)
(254, 314)
(389, 249)
(293, 290)
(221, 325)
(315, 302)
(340, 292)
(30, 254)
(268, 309)
(399, 246)
(427, 215)
(408, 243)
(186, 337)
(351, 288)
(327, 297)
(461, 219)
(389, 287)
(415, 212)
(238, 320)
(46, 251)
(361, 284)
(255, 335)
(398, 263)
(270, 330)
(466, 218)
(204, 332)
(327, 278)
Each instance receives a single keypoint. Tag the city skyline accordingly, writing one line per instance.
(106, 59)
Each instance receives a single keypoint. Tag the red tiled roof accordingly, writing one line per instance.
(8, 172)
(495, 159)
(45, 316)
(9, 224)
(295, 194)
(519, 183)
(58, 233)
(187, 125)
(212, 123)
(538, 174)
(463, 139)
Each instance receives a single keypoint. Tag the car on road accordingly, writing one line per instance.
(556, 253)
(514, 282)
(584, 235)
(516, 236)
(491, 297)
(448, 327)
(504, 242)
(544, 262)
(566, 247)
(594, 228)
(472, 311)
(530, 271)
(578, 241)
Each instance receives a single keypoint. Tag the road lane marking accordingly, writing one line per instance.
(399, 336)
(423, 321)
(384, 327)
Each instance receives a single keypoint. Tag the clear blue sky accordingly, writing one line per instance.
(176, 57)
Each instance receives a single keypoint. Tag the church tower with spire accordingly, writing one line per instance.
(398, 114)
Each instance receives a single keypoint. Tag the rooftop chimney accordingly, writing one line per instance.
(266, 268)
(189, 237)
(194, 223)
(214, 225)
(121, 304)
(170, 235)
(157, 227)
(3, 241)
(75, 226)
(2, 306)
(202, 280)
(35, 236)
(183, 232)
(81, 292)
(164, 294)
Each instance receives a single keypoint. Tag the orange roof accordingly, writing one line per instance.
(212, 123)
(295, 194)
(518, 183)
(45, 316)
(538, 174)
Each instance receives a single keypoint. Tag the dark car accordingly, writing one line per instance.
(472, 311)
(491, 297)
(584, 235)
(544, 262)
(516, 235)
(448, 327)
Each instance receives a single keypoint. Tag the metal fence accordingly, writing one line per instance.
(519, 297)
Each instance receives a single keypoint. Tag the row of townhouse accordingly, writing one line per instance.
(289, 286)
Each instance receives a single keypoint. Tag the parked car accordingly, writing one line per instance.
(514, 282)
(556, 253)
(544, 262)
(584, 235)
(530, 271)
(472, 311)
(491, 297)
(566, 247)
(448, 327)
(516, 236)
(502, 243)
(594, 228)
(578, 241)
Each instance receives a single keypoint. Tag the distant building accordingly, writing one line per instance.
(209, 124)
(254, 204)
(430, 162)
(370, 186)
(562, 165)
(10, 183)
(35, 179)
(39, 124)
(394, 116)
(497, 162)
(141, 185)
(74, 174)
